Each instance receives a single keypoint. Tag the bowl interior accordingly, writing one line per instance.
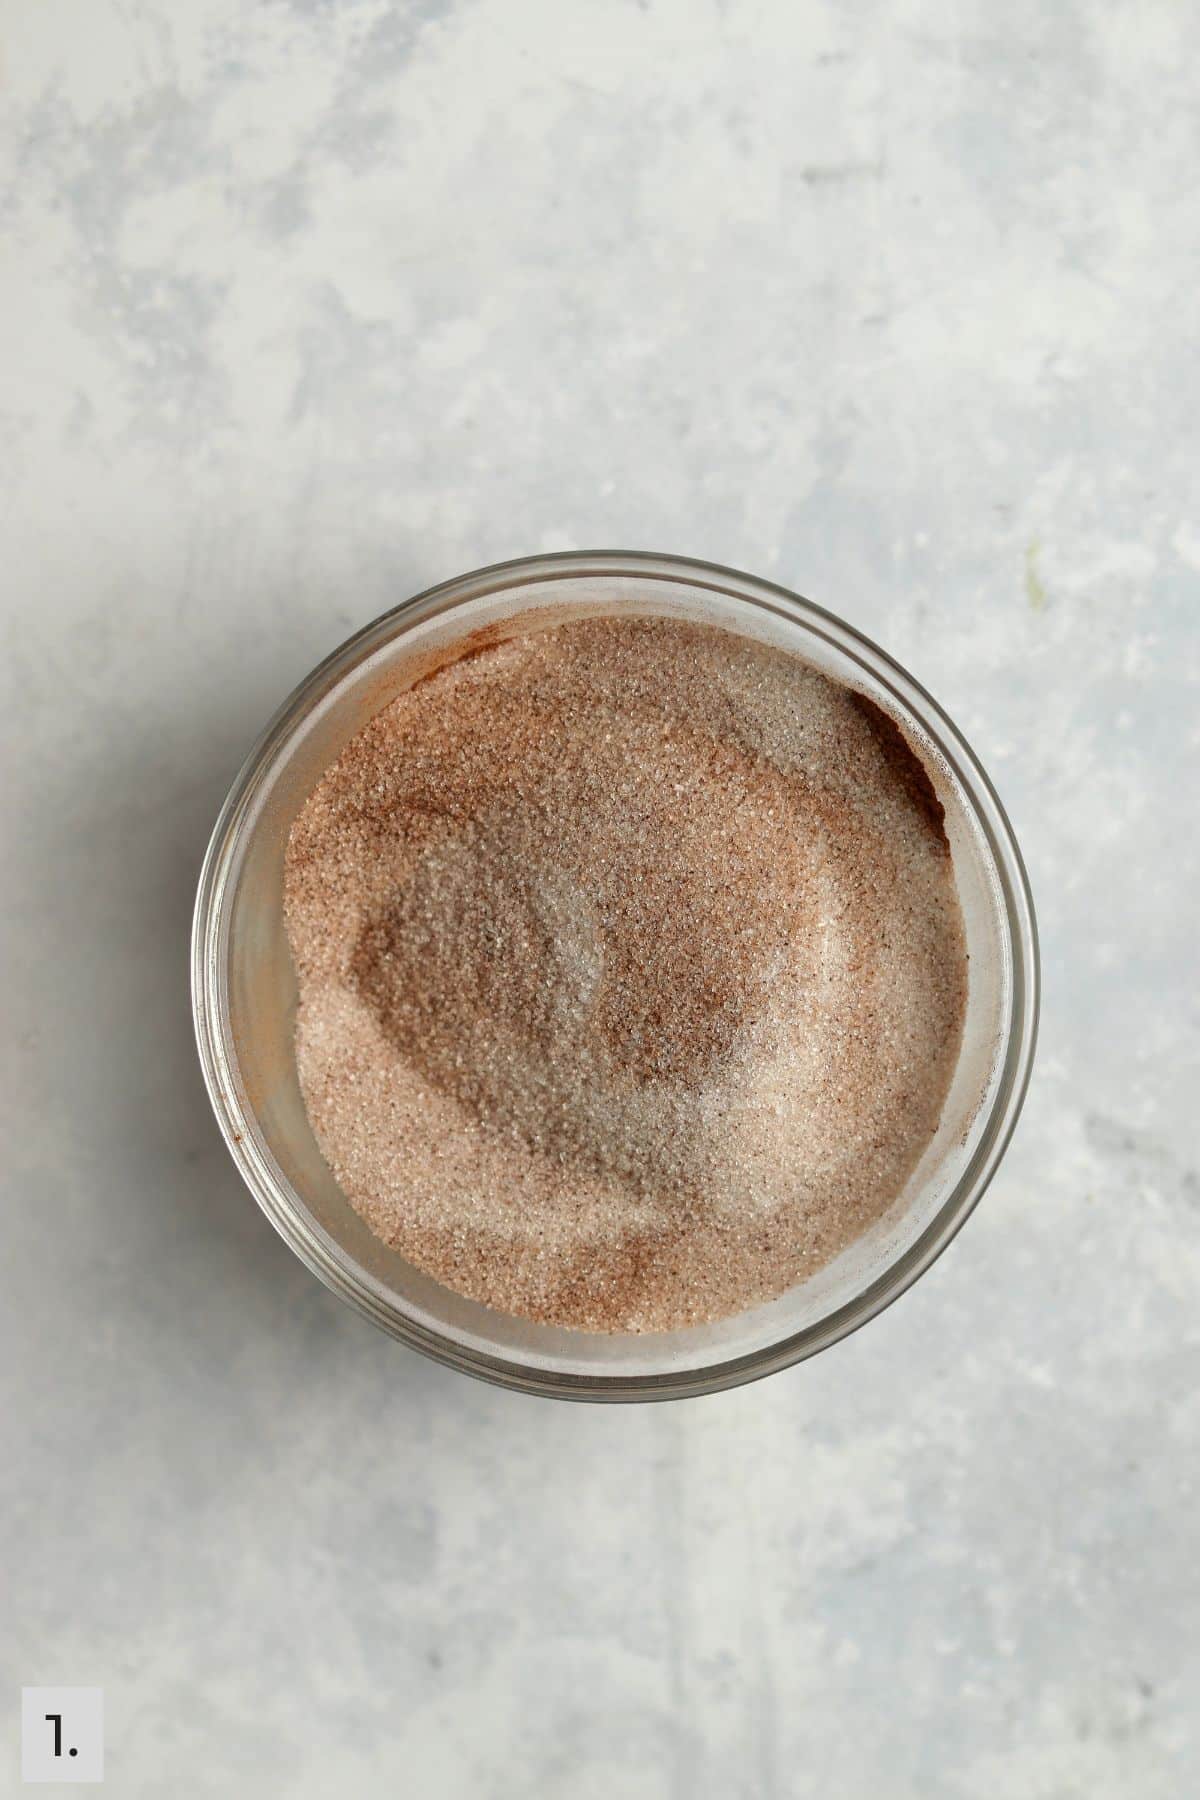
(249, 996)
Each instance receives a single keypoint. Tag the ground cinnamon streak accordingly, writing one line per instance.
(631, 971)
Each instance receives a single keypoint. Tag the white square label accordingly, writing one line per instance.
(62, 1734)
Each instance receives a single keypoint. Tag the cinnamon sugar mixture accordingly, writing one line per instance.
(631, 971)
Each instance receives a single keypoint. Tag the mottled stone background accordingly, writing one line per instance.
(306, 306)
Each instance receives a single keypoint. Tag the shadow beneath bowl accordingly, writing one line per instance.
(168, 1252)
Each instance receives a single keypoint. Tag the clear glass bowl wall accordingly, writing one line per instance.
(244, 989)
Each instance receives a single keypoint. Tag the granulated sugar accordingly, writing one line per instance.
(631, 971)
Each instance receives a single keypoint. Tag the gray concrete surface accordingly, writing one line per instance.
(307, 306)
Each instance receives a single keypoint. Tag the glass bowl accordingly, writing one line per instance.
(244, 990)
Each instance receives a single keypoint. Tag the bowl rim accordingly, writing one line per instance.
(284, 1207)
